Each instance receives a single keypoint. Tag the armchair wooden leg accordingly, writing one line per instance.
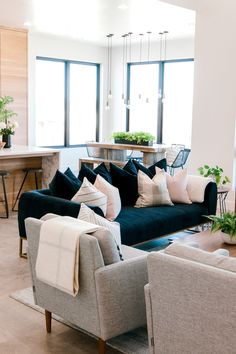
(21, 253)
(101, 346)
(48, 318)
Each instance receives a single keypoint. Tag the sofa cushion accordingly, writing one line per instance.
(91, 196)
(126, 183)
(92, 174)
(113, 197)
(151, 171)
(142, 224)
(62, 186)
(152, 191)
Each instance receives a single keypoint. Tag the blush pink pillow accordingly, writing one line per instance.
(113, 197)
(177, 187)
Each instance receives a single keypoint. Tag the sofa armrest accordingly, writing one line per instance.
(38, 203)
(210, 198)
(120, 295)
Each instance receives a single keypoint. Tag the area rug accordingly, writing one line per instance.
(135, 342)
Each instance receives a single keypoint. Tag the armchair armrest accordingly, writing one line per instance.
(120, 296)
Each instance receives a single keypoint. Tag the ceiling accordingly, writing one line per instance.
(92, 20)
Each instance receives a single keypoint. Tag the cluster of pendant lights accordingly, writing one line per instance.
(127, 57)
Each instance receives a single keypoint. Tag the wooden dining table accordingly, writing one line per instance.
(118, 152)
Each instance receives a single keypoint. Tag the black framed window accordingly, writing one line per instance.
(161, 97)
(67, 102)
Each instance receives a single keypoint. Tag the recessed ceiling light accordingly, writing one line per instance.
(27, 24)
(122, 7)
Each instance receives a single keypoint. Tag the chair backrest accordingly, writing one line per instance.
(187, 295)
(181, 158)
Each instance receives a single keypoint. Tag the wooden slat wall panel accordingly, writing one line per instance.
(14, 77)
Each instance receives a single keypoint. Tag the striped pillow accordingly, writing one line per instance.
(91, 196)
(87, 214)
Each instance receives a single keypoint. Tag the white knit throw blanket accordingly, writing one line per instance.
(57, 261)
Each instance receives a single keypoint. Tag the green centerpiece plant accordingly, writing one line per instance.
(136, 138)
(226, 224)
(216, 173)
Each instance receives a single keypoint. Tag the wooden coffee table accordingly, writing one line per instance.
(208, 241)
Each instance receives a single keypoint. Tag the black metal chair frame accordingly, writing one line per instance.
(4, 174)
(180, 160)
(27, 171)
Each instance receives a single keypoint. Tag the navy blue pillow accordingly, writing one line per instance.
(71, 175)
(62, 186)
(103, 171)
(126, 183)
(88, 173)
(92, 174)
(150, 171)
(130, 167)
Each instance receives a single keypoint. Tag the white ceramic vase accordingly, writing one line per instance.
(226, 238)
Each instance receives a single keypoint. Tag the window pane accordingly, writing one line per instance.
(83, 95)
(50, 110)
(177, 110)
(144, 81)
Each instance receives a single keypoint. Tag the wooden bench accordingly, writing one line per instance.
(91, 161)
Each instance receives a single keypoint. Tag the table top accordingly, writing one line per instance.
(113, 146)
(26, 151)
(209, 241)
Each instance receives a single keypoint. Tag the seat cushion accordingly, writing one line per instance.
(143, 224)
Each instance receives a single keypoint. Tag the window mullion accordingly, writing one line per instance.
(160, 103)
(67, 108)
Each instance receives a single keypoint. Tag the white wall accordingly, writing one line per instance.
(214, 110)
(176, 49)
(58, 47)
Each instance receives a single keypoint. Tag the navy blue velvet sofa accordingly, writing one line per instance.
(137, 224)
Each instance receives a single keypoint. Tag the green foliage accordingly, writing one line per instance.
(137, 136)
(5, 113)
(226, 223)
(215, 172)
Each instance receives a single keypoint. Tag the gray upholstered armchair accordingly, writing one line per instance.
(190, 302)
(111, 298)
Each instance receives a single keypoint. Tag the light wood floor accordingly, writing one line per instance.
(22, 329)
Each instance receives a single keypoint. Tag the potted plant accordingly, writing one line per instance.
(216, 173)
(134, 138)
(7, 123)
(226, 224)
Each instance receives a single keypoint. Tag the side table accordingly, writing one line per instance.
(221, 196)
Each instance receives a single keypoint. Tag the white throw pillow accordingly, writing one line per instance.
(113, 197)
(91, 196)
(89, 215)
(152, 191)
(196, 187)
(177, 187)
